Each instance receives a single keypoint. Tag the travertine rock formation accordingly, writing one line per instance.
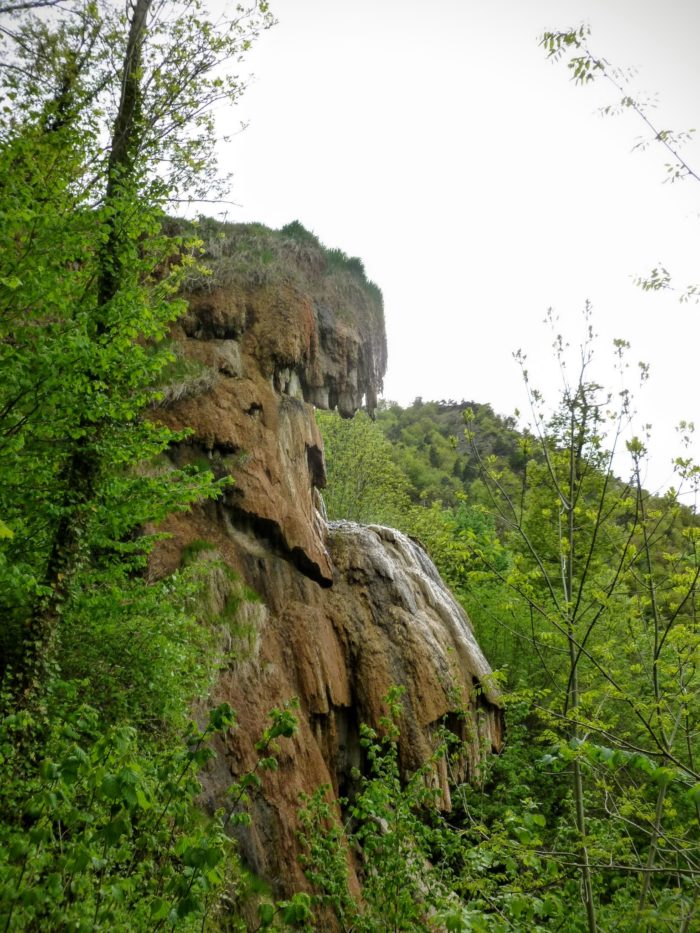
(344, 611)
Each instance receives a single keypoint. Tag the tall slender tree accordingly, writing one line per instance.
(610, 577)
(88, 274)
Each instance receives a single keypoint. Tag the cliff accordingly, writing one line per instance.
(331, 613)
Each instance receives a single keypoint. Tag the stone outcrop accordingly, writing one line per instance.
(342, 611)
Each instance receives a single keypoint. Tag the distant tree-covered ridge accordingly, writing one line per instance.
(429, 444)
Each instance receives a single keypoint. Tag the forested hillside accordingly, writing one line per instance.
(582, 588)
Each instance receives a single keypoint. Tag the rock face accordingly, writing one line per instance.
(342, 611)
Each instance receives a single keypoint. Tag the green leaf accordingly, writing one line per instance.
(114, 830)
(188, 905)
(222, 718)
(159, 909)
(298, 909)
(111, 786)
(49, 770)
(663, 776)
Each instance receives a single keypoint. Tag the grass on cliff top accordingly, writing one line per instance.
(253, 255)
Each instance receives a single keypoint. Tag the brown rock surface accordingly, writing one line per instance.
(346, 611)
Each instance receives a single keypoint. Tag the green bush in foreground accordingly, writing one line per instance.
(104, 834)
(104, 831)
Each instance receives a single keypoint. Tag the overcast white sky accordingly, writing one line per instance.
(480, 187)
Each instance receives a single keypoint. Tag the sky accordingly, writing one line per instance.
(480, 187)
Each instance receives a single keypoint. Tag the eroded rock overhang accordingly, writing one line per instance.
(344, 611)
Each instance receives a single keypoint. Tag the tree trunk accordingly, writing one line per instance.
(572, 701)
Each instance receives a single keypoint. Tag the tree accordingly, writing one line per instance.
(88, 275)
(105, 124)
(610, 577)
(572, 45)
(364, 484)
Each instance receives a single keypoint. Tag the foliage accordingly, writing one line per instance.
(481, 867)
(583, 583)
(585, 587)
(364, 484)
(573, 46)
(106, 834)
(245, 255)
(584, 67)
(87, 278)
(428, 444)
(400, 888)
(106, 120)
(103, 836)
(504, 859)
(599, 564)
